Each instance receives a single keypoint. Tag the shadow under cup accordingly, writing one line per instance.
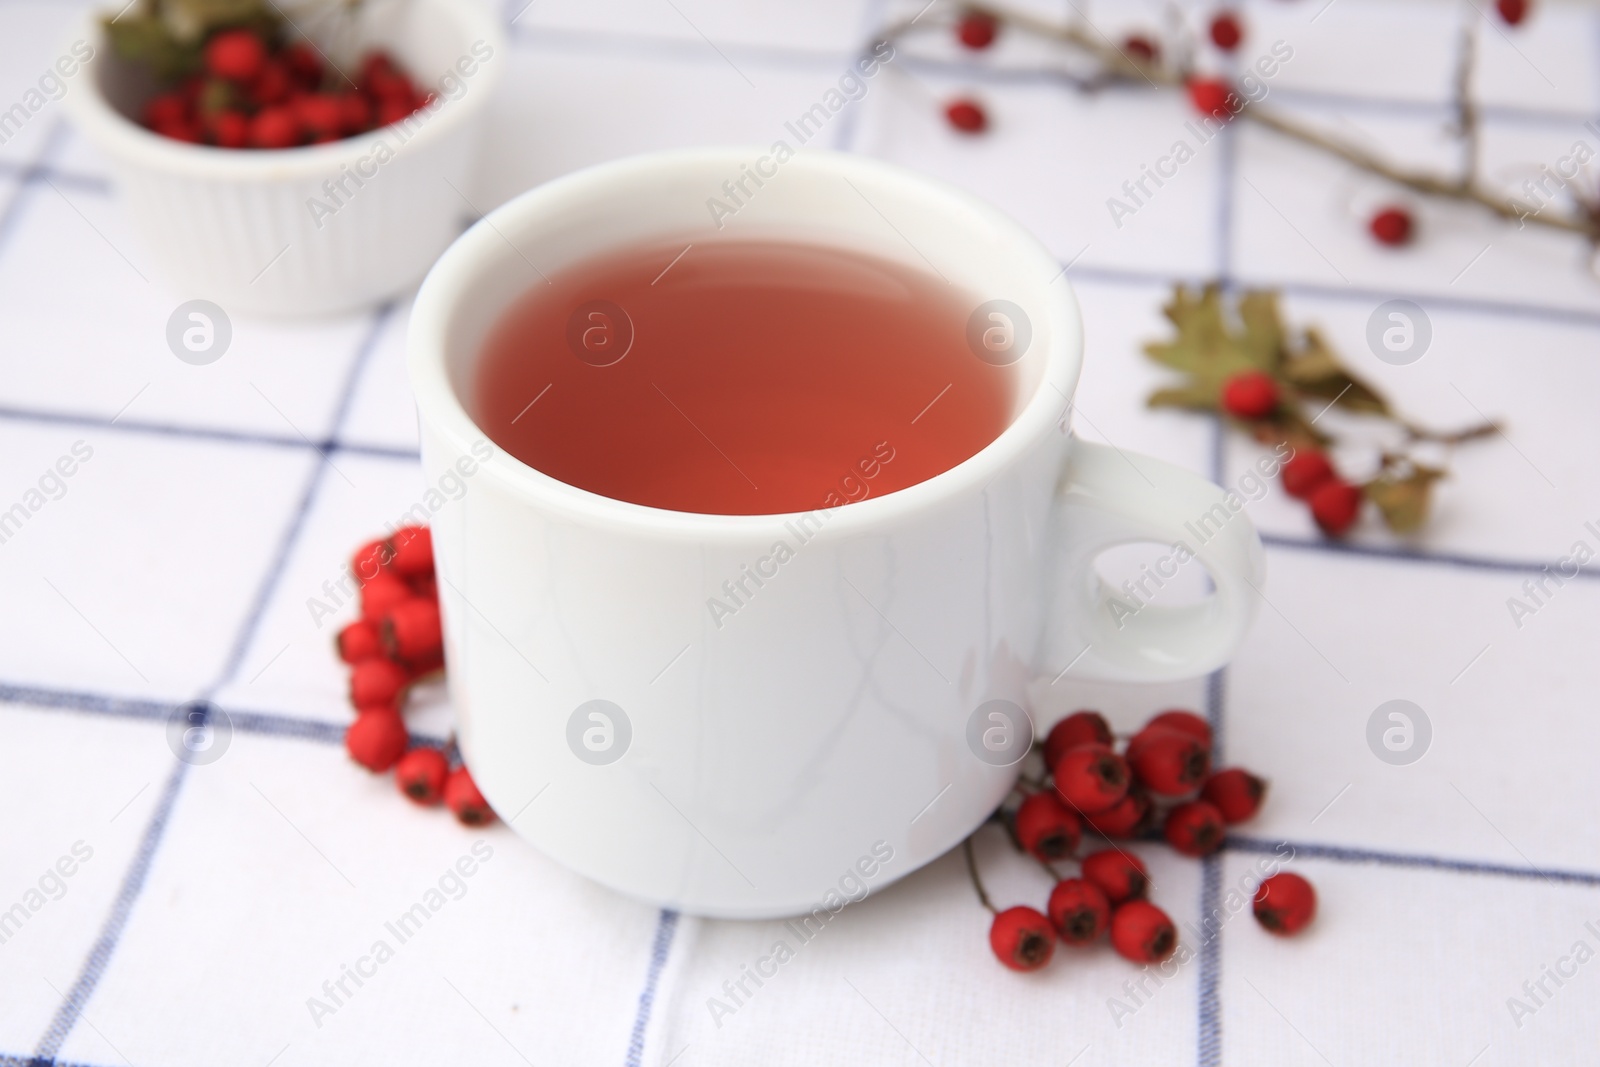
(632, 695)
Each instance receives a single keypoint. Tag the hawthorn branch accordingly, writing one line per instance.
(1467, 188)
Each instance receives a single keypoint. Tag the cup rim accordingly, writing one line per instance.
(113, 131)
(442, 411)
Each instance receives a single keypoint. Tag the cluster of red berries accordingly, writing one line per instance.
(249, 95)
(1162, 777)
(977, 30)
(397, 642)
(1254, 396)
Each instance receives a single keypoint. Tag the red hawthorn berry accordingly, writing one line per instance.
(410, 631)
(165, 110)
(1285, 903)
(1078, 910)
(274, 127)
(1226, 32)
(419, 669)
(1128, 817)
(320, 114)
(461, 796)
(1251, 394)
(426, 587)
(1210, 96)
(977, 29)
(1391, 226)
(1305, 472)
(272, 86)
(1184, 722)
(376, 681)
(355, 111)
(1167, 762)
(381, 77)
(1513, 11)
(303, 63)
(1022, 939)
(185, 129)
(371, 560)
(229, 129)
(377, 739)
(1335, 505)
(1141, 932)
(421, 774)
(1079, 728)
(382, 595)
(1141, 50)
(966, 116)
(358, 641)
(1046, 827)
(1195, 828)
(413, 551)
(392, 109)
(1235, 792)
(1091, 778)
(1120, 875)
(237, 55)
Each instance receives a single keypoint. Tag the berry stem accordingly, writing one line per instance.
(1049, 868)
(1466, 109)
(972, 872)
(1422, 433)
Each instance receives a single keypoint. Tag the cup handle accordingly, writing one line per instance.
(1106, 497)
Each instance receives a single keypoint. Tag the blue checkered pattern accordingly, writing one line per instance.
(178, 563)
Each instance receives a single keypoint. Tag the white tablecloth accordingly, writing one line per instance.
(207, 905)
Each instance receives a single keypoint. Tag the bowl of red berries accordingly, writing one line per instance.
(298, 165)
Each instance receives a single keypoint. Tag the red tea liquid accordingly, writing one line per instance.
(739, 378)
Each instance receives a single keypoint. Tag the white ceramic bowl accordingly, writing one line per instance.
(319, 229)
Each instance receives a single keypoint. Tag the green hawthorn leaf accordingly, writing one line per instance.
(1404, 497)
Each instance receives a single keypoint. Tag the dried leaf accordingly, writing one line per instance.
(1206, 347)
(1262, 339)
(1314, 370)
(1404, 498)
(1188, 397)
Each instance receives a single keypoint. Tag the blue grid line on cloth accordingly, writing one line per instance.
(88, 183)
(208, 433)
(320, 732)
(660, 949)
(267, 723)
(1208, 1000)
(150, 842)
(29, 177)
(1345, 854)
(1480, 305)
(666, 47)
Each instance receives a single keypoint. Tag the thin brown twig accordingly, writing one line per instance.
(1466, 188)
(1422, 433)
(972, 871)
(1466, 108)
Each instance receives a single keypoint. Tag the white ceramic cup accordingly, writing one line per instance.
(836, 733)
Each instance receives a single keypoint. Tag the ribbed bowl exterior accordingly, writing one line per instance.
(260, 246)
